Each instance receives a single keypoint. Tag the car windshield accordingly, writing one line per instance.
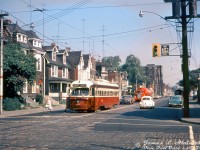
(80, 92)
(146, 98)
(175, 98)
(127, 96)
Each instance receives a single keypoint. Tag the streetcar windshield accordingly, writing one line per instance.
(80, 92)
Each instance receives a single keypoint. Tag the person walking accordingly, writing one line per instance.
(48, 105)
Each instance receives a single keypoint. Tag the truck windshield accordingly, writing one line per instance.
(80, 92)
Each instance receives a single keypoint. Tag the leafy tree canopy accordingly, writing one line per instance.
(17, 67)
(112, 62)
(134, 69)
(193, 79)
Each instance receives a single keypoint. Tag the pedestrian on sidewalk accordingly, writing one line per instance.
(48, 105)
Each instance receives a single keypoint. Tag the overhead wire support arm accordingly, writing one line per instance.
(180, 10)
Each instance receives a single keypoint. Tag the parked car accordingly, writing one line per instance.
(157, 97)
(147, 102)
(127, 99)
(176, 100)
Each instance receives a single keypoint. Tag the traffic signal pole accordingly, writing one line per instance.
(184, 19)
(185, 69)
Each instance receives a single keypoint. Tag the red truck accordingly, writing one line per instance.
(140, 92)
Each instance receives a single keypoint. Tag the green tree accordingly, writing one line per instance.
(194, 75)
(17, 68)
(193, 79)
(134, 70)
(112, 62)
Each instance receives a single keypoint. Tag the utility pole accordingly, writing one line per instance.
(185, 70)
(1, 64)
(178, 5)
(198, 92)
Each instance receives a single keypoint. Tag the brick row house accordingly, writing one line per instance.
(30, 43)
(56, 68)
(57, 81)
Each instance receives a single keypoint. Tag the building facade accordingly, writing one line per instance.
(155, 75)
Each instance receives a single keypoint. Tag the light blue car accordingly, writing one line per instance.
(176, 100)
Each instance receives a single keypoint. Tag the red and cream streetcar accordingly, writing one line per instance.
(88, 95)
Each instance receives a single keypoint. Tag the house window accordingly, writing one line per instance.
(54, 87)
(34, 43)
(54, 56)
(64, 72)
(64, 87)
(40, 44)
(18, 37)
(25, 39)
(38, 63)
(54, 71)
(34, 87)
(25, 87)
(21, 38)
(64, 59)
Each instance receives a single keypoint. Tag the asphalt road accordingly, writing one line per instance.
(125, 127)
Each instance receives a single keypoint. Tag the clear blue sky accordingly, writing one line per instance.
(67, 21)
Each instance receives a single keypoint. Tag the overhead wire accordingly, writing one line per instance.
(111, 34)
(54, 17)
(62, 13)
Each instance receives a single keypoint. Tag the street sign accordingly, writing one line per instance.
(164, 50)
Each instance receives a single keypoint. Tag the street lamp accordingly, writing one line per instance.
(185, 69)
(141, 14)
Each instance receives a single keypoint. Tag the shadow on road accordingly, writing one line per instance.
(161, 113)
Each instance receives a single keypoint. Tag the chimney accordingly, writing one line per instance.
(68, 49)
(53, 44)
(7, 21)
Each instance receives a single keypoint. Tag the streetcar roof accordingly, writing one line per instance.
(89, 83)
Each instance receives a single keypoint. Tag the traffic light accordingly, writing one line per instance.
(156, 50)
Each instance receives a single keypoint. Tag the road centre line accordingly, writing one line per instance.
(192, 141)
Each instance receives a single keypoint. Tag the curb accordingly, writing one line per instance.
(189, 121)
(29, 111)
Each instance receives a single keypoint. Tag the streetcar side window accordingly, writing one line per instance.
(80, 92)
(93, 92)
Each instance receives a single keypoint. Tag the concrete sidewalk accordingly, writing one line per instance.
(194, 111)
(39, 109)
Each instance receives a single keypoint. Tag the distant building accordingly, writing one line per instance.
(101, 70)
(155, 75)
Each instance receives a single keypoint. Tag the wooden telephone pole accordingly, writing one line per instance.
(179, 12)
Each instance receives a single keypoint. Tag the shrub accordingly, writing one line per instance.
(39, 99)
(11, 104)
(21, 99)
